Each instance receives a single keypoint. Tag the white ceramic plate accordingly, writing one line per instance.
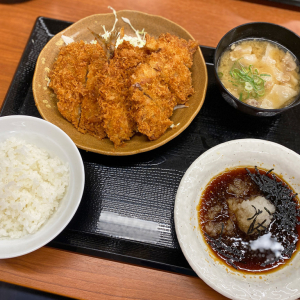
(281, 284)
(48, 136)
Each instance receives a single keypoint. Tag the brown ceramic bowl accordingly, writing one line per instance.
(154, 25)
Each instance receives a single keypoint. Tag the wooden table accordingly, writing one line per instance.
(86, 277)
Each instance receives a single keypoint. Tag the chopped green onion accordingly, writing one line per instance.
(248, 95)
(247, 78)
(232, 83)
(241, 97)
(220, 74)
(248, 86)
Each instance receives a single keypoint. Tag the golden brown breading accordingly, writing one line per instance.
(160, 83)
(173, 60)
(152, 102)
(76, 78)
(174, 73)
(174, 46)
(91, 117)
(151, 43)
(178, 47)
(115, 93)
(68, 78)
(135, 90)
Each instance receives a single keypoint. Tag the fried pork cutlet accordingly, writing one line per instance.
(160, 83)
(115, 93)
(68, 78)
(152, 102)
(175, 74)
(173, 59)
(75, 78)
(135, 90)
(91, 117)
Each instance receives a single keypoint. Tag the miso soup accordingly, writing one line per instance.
(260, 73)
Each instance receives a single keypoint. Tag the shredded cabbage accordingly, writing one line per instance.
(107, 34)
(138, 41)
(68, 40)
(180, 106)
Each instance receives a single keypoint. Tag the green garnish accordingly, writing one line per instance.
(248, 87)
(220, 74)
(232, 83)
(241, 97)
(251, 81)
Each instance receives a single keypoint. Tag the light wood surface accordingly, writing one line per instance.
(85, 277)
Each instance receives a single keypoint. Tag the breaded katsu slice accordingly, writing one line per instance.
(180, 48)
(152, 102)
(160, 83)
(68, 78)
(173, 57)
(91, 118)
(76, 78)
(115, 93)
(174, 73)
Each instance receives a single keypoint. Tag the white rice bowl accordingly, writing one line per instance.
(43, 192)
(32, 183)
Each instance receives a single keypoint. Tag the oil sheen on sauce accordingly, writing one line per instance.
(248, 237)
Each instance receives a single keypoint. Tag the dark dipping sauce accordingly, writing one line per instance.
(222, 229)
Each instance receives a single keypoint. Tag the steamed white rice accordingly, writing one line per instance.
(32, 183)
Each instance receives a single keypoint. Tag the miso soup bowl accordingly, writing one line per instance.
(261, 30)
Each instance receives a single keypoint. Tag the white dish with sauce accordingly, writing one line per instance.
(282, 283)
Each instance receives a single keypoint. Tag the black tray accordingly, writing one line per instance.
(141, 189)
(288, 2)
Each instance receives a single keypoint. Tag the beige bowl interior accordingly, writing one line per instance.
(154, 25)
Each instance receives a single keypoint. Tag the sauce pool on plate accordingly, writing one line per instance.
(250, 219)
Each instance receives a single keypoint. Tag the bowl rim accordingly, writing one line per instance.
(263, 110)
(79, 191)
